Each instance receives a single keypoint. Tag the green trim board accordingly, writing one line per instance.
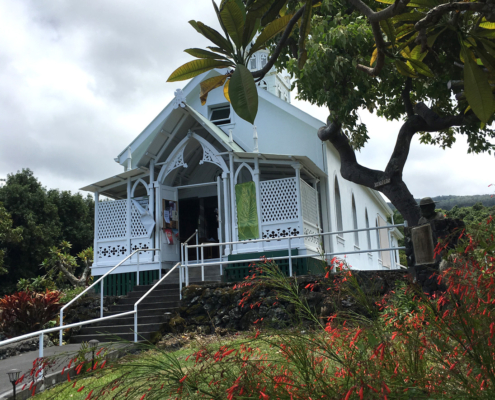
(300, 266)
(122, 284)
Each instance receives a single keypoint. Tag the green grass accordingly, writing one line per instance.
(96, 380)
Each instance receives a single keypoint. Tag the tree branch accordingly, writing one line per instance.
(389, 12)
(280, 45)
(406, 97)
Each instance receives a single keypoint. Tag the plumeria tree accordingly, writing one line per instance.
(428, 63)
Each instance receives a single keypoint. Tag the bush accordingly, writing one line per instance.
(406, 346)
(69, 294)
(39, 284)
(26, 312)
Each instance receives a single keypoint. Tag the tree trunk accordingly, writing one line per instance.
(389, 182)
(81, 282)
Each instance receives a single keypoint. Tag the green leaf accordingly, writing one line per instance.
(196, 67)
(411, 16)
(247, 210)
(214, 36)
(386, 1)
(423, 3)
(217, 11)
(218, 50)
(243, 94)
(388, 27)
(271, 30)
(251, 26)
(487, 59)
(487, 25)
(233, 14)
(273, 12)
(486, 34)
(420, 67)
(405, 69)
(260, 7)
(489, 46)
(404, 30)
(304, 32)
(200, 53)
(416, 53)
(208, 85)
(477, 88)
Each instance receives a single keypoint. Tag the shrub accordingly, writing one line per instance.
(407, 346)
(26, 312)
(38, 284)
(69, 294)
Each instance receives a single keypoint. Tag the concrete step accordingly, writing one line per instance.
(149, 300)
(150, 312)
(158, 292)
(120, 308)
(119, 329)
(142, 319)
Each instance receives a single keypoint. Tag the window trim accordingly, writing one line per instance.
(220, 122)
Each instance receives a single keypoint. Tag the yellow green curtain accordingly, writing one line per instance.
(247, 212)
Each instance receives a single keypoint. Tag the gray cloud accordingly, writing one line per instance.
(80, 80)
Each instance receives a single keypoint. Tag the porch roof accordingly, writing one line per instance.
(114, 180)
(306, 162)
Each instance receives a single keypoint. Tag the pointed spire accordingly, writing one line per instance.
(255, 139)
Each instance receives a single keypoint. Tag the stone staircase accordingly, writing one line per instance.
(153, 311)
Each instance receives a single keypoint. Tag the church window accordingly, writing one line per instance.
(338, 206)
(368, 233)
(378, 242)
(220, 116)
(264, 60)
(355, 222)
(252, 62)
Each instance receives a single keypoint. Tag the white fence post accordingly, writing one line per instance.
(290, 257)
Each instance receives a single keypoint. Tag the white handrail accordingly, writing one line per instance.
(144, 296)
(101, 291)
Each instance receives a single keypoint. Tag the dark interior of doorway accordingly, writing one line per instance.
(199, 213)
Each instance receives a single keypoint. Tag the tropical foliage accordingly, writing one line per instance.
(45, 218)
(390, 57)
(26, 312)
(61, 266)
(38, 284)
(406, 346)
(7, 235)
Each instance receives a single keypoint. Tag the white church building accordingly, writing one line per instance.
(182, 173)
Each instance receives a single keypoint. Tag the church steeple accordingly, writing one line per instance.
(273, 82)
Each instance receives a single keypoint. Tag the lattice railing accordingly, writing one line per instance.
(309, 199)
(137, 227)
(112, 219)
(279, 201)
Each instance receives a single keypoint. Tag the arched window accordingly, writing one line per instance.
(338, 206)
(378, 243)
(252, 62)
(368, 233)
(264, 60)
(355, 221)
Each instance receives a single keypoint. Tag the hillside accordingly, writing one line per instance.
(448, 202)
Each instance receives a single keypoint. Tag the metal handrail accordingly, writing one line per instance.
(101, 291)
(144, 296)
(202, 264)
(184, 274)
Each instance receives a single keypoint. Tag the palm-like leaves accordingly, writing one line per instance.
(240, 23)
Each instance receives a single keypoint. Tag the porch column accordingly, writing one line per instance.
(258, 200)
(158, 217)
(128, 234)
(297, 167)
(226, 202)
(151, 203)
(95, 245)
(232, 196)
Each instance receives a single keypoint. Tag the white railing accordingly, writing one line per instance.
(102, 280)
(60, 328)
(289, 239)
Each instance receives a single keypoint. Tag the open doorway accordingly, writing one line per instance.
(199, 213)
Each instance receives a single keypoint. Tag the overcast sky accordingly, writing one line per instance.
(80, 79)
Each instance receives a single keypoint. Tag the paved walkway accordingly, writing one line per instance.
(24, 362)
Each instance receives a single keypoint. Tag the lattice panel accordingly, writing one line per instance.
(137, 227)
(313, 242)
(309, 197)
(280, 233)
(279, 200)
(112, 216)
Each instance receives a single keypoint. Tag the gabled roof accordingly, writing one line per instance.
(144, 139)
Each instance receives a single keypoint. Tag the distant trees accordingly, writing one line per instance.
(476, 214)
(450, 201)
(44, 218)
